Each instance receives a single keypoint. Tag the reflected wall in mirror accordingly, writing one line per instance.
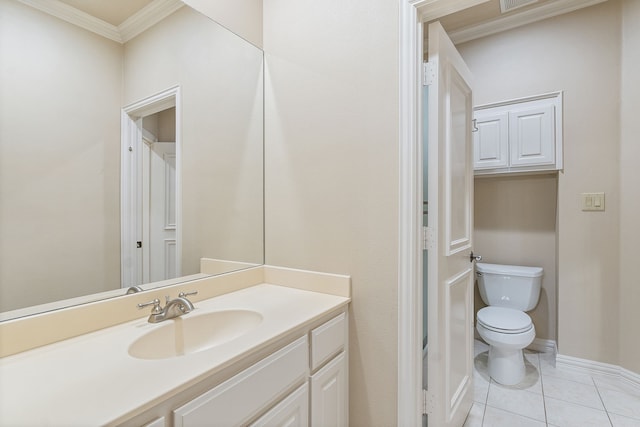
(62, 93)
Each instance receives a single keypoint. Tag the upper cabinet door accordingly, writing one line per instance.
(491, 141)
(532, 135)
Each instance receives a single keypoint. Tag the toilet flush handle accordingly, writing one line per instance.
(473, 257)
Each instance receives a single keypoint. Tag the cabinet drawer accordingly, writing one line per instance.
(293, 411)
(328, 340)
(243, 396)
(156, 423)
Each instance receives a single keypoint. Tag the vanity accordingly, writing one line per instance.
(264, 346)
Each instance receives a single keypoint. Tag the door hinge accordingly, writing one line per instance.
(427, 402)
(428, 73)
(427, 238)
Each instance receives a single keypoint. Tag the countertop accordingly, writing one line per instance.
(92, 379)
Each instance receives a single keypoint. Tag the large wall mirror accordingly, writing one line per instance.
(65, 94)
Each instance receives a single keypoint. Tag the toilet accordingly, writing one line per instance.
(509, 291)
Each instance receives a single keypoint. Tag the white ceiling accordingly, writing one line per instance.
(114, 12)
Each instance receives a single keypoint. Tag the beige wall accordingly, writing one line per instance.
(515, 223)
(59, 159)
(243, 17)
(220, 77)
(332, 171)
(630, 188)
(580, 54)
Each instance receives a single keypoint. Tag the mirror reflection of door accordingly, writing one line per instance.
(159, 255)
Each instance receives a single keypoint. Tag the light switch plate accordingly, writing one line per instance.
(592, 201)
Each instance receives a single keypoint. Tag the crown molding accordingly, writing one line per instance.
(547, 10)
(76, 17)
(434, 9)
(148, 16)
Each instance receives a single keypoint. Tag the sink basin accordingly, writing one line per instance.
(193, 333)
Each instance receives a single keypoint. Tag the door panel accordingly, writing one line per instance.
(460, 314)
(457, 163)
(450, 273)
(162, 212)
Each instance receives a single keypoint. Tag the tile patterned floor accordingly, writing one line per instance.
(549, 396)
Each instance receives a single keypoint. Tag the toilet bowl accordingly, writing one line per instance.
(507, 331)
(509, 291)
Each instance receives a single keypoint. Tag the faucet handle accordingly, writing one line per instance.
(156, 305)
(185, 294)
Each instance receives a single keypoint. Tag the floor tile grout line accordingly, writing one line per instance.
(544, 403)
(513, 413)
(486, 399)
(560, 377)
(606, 411)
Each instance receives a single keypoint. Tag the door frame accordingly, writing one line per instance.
(412, 15)
(131, 181)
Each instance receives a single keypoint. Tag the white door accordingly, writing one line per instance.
(162, 212)
(450, 272)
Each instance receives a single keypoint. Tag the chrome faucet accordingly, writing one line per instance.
(173, 308)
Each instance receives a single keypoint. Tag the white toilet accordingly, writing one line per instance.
(509, 291)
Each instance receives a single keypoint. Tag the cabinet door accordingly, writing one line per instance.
(531, 132)
(293, 411)
(329, 395)
(491, 141)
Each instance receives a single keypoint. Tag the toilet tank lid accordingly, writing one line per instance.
(510, 270)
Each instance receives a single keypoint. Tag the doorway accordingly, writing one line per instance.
(151, 190)
(159, 196)
(448, 239)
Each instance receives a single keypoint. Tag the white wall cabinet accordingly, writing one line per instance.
(303, 384)
(523, 135)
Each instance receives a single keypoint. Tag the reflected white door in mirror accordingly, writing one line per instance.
(150, 189)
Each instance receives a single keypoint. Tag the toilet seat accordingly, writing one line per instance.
(504, 320)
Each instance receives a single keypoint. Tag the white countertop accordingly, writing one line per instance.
(92, 379)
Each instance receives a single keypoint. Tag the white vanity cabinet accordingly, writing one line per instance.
(305, 383)
(523, 135)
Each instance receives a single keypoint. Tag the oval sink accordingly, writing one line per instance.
(193, 333)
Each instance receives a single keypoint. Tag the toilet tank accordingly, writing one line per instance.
(511, 286)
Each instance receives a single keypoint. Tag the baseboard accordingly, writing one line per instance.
(630, 377)
(544, 346)
(592, 367)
